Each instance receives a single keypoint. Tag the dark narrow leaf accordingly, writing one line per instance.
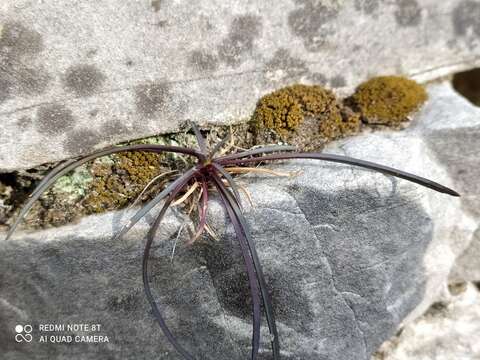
(146, 283)
(257, 151)
(248, 265)
(230, 182)
(70, 165)
(202, 211)
(180, 182)
(267, 303)
(200, 139)
(220, 144)
(350, 161)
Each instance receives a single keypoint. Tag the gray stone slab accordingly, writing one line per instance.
(349, 255)
(83, 74)
(451, 128)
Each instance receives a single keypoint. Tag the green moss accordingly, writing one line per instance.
(388, 99)
(289, 112)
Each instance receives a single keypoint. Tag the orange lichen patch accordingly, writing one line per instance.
(388, 100)
(306, 115)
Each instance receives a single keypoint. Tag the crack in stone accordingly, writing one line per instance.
(21, 313)
(326, 226)
(386, 261)
(279, 210)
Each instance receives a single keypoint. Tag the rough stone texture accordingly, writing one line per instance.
(451, 128)
(467, 267)
(448, 331)
(70, 71)
(348, 254)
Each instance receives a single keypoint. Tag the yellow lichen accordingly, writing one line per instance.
(388, 100)
(289, 112)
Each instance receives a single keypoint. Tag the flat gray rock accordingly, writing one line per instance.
(85, 74)
(348, 254)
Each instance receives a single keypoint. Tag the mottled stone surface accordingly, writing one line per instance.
(467, 266)
(449, 330)
(71, 70)
(348, 254)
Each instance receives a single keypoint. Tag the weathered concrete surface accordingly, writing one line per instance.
(348, 254)
(83, 74)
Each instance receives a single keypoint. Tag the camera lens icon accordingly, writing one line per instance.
(19, 328)
(23, 333)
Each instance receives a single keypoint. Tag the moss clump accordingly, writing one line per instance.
(302, 114)
(388, 100)
(5, 206)
(284, 110)
(279, 111)
(119, 180)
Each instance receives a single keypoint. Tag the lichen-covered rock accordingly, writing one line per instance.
(84, 74)
(348, 254)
